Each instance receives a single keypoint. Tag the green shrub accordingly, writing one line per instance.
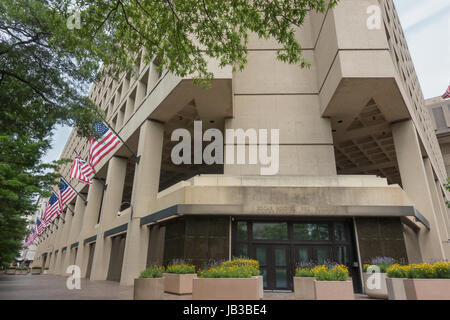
(439, 270)
(304, 272)
(381, 262)
(37, 267)
(326, 273)
(237, 268)
(152, 272)
(180, 268)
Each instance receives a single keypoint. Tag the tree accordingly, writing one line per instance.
(42, 73)
(46, 68)
(167, 29)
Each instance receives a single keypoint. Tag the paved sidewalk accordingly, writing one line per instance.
(51, 287)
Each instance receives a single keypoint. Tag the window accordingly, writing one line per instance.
(311, 231)
(242, 233)
(270, 231)
(340, 233)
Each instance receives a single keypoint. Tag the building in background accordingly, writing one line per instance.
(440, 112)
(360, 172)
(27, 254)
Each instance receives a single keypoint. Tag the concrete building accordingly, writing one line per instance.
(360, 169)
(27, 254)
(440, 113)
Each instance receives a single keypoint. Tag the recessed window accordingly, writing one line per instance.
(311, 231)
(270, 231)
(242, 230)
(340, 232)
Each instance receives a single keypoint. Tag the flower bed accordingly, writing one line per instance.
(178, 278)
(374, 276)
(150, 284)
(420, 281)
(304, 284)
(36, 270)
(231, 280)
(323, 283)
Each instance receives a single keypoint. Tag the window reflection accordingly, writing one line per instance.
(270, 231)
(311, 231)
(340, 233)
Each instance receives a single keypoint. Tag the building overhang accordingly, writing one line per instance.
(287, 211)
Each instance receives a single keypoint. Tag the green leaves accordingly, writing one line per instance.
(186, 34)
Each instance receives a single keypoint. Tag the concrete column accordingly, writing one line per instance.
(75, 229)
(67, 226)
(141, 91)
(58, 229)
(415, 183)
(111, 204)
(89, 221)
(444, 208)
(129, 108)
(145, 191)
(439, 217)
(77, 220)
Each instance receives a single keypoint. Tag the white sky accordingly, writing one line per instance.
(426, 24)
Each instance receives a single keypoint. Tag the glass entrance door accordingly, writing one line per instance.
(305, 255)
(274, 262)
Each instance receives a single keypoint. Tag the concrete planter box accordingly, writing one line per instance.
(395, 288)
(304, 288)
(21, 272)
(380, 293)
(44, 271)
(149, 289)
(178, 283)
(226, 289)
(261, 286)
(36, 271)
(11, 271)
(334, 290)
(427, 289)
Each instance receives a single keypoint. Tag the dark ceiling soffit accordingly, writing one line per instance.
(115, 230)
(339, 211)
(90, 239)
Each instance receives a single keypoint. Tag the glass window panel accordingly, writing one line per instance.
(281, 276)
(242, 250)
(303, 256)
(242, 230)
(311, 231)
(342, 255)
(340, 233)
(264, 274)
(270, 231)
(322, 255)
(280, 257)
(261, 256)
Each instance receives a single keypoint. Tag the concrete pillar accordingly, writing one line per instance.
(439, 217)
(415, 183)
(145, 191)
(111, 204)
(77, 220)
(444, 209)
(94, 199)
(67, 226)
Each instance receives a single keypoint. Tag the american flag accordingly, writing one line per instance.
(98, 149)
(40, 225)
(36, 229)
(66, 193)
(446, 94)
(81, 170)
(53, 208)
